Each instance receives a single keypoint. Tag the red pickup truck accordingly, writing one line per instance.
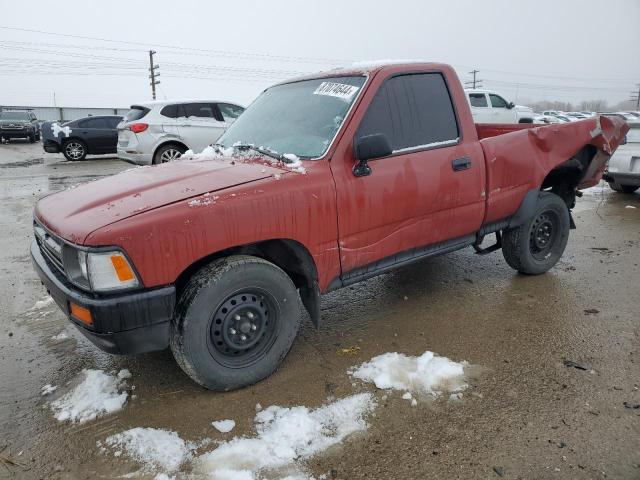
(323, 181)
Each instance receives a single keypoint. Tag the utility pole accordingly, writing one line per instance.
(476, 81)
(635, 96)
(154, 74)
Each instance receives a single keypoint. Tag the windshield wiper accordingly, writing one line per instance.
(262, 151)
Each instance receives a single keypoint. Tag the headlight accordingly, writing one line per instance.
(99, 271)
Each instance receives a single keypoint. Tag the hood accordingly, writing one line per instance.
(76, 212)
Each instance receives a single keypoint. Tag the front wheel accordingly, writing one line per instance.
(74, 150)
(235, 321)
(537, 245)
(623, 188)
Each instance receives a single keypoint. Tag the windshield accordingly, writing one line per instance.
(299, 118)
(633, 135)
(14, 115)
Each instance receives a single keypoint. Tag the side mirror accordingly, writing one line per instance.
(368, 148)
(510, 105)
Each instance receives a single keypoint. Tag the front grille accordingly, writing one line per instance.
(50, 246)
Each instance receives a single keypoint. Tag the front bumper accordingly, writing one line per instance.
(128, 323)
(16, 133)
(50, 146)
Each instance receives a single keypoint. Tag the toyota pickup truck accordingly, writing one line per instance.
(324, 181)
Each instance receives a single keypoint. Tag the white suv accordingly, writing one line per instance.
(161, 131)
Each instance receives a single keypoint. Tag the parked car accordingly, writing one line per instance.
(321, 183)
(19, 124)
(490, 107)
(545, 119)
(623, 171)
(94, 135)
(161, 131)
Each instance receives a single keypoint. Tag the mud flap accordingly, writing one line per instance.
(572, 224)
(310, 296)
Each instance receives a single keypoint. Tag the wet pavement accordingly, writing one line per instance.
(557, 356)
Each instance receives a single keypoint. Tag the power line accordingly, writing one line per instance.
(248, 55)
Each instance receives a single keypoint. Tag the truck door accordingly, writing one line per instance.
(430, 191)
(501, 113)
(480, 109)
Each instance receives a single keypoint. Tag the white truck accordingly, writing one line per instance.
(488, 106)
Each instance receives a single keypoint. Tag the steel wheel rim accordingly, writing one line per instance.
(170, 155)
(74, 150)
(243, 328)
(544, 234)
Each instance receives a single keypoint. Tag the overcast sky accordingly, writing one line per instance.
(529, 50)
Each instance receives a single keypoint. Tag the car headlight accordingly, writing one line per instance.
(103, 271)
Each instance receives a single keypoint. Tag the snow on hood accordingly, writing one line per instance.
(75, 213)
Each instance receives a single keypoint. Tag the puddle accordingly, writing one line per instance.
(38, 186)
(23, 163)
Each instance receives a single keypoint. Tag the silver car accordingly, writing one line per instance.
(623, 172)
(161, 131)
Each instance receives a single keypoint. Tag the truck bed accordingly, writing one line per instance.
(519, 157)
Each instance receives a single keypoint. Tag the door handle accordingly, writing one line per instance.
(461, 164)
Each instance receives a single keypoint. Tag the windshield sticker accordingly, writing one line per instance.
(340, 90)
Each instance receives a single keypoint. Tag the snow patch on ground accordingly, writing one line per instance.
(42, 303)
(96, 394)
(285, 435)
(60, 337)
(427, 374)
(48, 389)
(224, 426)
(153, 447)
(630, 206)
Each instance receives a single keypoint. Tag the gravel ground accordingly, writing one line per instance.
(529, 412)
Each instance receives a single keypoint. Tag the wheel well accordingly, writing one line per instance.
(170, 142)
(289, 255)
(564, 178)
(526, 120)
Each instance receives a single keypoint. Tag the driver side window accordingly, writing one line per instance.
(413, 111)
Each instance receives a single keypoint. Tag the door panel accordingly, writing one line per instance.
(408, 201)
(200, 127)
(412, 198)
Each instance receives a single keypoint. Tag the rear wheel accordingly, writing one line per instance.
(235, 322)
(32, 138)
(537, 245)
(74, 150)
(168, 153)
(623, 188)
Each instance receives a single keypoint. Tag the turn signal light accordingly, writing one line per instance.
(122, 268)
(81, 313)
(138, 127)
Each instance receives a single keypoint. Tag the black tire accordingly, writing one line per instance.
(537, 245)
(32, 138)
(168, 153)
(74, 149)
(228, 299)
(623, 188)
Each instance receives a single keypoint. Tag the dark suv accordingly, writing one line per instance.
(19, 124)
